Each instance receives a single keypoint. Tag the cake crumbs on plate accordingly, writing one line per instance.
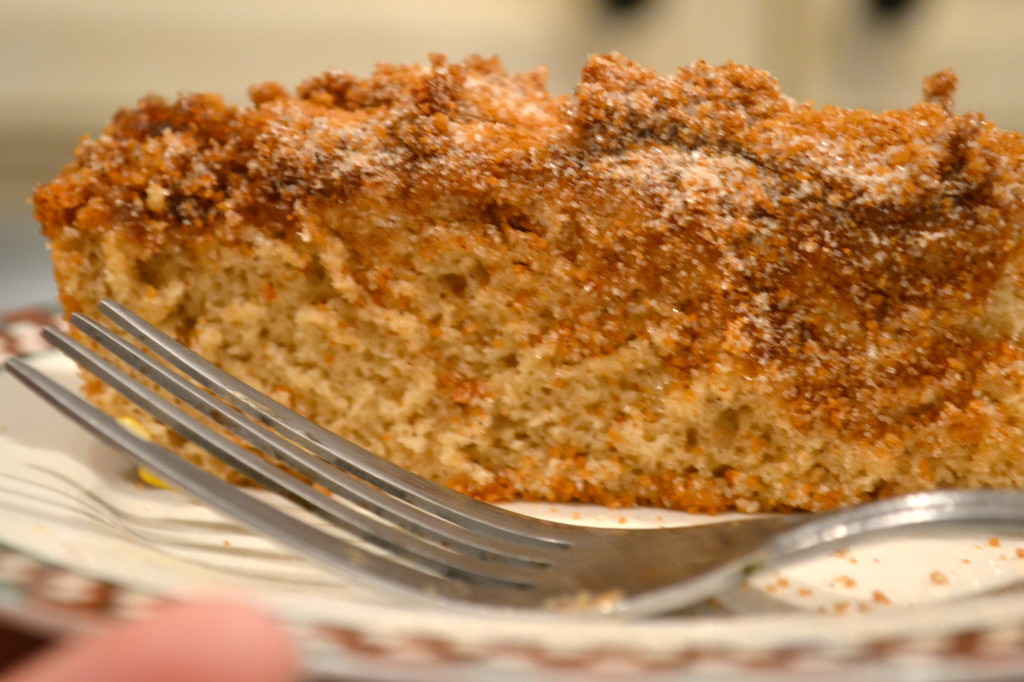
(845, 581)
(880, 597)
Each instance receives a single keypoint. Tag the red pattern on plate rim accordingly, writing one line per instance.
(20, 330)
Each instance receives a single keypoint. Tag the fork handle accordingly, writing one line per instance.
(933, 507)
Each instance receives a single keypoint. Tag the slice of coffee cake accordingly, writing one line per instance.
(682, 290)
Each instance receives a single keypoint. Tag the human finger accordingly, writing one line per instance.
(193, 642)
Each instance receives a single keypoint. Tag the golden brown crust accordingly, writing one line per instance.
(847, 264)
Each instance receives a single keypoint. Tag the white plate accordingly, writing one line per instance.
(82, 541)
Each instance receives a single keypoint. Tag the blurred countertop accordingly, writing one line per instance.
(67, 66)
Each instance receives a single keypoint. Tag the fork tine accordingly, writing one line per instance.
(425, 494)
(367, 566)
(367, 527)
(353, 489)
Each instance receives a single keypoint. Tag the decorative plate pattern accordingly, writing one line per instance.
(82, 542)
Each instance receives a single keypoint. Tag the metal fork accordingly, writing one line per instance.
(404, 532)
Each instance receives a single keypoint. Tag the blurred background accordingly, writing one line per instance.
(67, 65)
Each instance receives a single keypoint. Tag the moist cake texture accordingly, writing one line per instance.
(681, 290)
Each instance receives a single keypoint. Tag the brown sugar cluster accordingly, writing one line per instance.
(683, 290)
